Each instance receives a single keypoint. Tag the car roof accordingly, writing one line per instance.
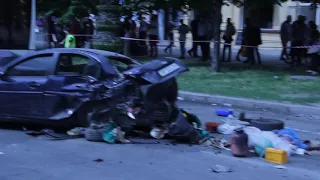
(94, 51)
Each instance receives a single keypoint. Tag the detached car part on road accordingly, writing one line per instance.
(73, 86)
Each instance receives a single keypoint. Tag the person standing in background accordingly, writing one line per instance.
(299, 37)
(203, 36)
(183, 31)
(89, 31)
(69, 41)
(52, 38)
(227, 37)
(153, 36)
(285, 35)
(257, 41)
(76, 30)
(143, 29)
(313, 32)
(171, 38)
(194, 31)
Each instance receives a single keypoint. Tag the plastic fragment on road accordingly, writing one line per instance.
(300, 151)
(224, 112)
(98, 160)
(211, 127)
(293, 137)
(76, 131)
(227, 105)
(130, 115)
(109, 133)
(280, 167)
(221, 169)
(158, 133)
(276, 156)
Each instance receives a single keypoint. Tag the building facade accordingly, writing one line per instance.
(277, 15)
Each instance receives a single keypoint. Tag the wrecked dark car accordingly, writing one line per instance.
(72, 87)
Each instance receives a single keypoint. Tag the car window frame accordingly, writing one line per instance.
(76, 54)
(53, 55)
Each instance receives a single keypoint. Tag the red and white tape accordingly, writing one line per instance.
(208, 41)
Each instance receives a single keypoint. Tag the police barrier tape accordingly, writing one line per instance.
(209, 41)
(292, 47)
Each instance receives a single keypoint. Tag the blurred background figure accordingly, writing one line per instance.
(51, 30)
(169, 30)
(285, 35)
(227, 37)
(195, 38)
(153, 36)
(183, 31)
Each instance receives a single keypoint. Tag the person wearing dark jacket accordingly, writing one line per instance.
(194, 31)
(252, 39)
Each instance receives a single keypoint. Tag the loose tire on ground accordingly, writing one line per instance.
(94, 135)
(267, 124)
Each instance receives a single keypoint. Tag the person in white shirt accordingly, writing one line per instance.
(153, 36)
(183, 31)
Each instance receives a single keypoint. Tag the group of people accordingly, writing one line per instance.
(299, 34)
(201, 35)
(149, 32)
(143, 32)
(78, 33)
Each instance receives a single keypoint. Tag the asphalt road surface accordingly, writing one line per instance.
(25, 157)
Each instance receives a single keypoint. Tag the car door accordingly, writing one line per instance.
(23, 84)
(71, 69)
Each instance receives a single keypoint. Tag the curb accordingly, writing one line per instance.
(285, 108)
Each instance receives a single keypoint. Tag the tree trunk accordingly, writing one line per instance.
(108, 26)
(217, 18)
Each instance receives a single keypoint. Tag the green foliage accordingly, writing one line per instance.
(64, 9)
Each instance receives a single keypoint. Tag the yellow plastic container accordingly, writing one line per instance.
(276, 156)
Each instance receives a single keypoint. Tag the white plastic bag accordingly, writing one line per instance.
(257, 138)
(254, 135)
(230, 125)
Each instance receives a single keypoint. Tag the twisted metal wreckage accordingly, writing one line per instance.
(108, 88)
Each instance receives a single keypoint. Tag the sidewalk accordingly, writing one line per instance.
(228, 102)
(268, 56)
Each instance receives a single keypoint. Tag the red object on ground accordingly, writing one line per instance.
(211, 127)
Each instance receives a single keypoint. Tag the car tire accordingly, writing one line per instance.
(94, 135)
(267, 124)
